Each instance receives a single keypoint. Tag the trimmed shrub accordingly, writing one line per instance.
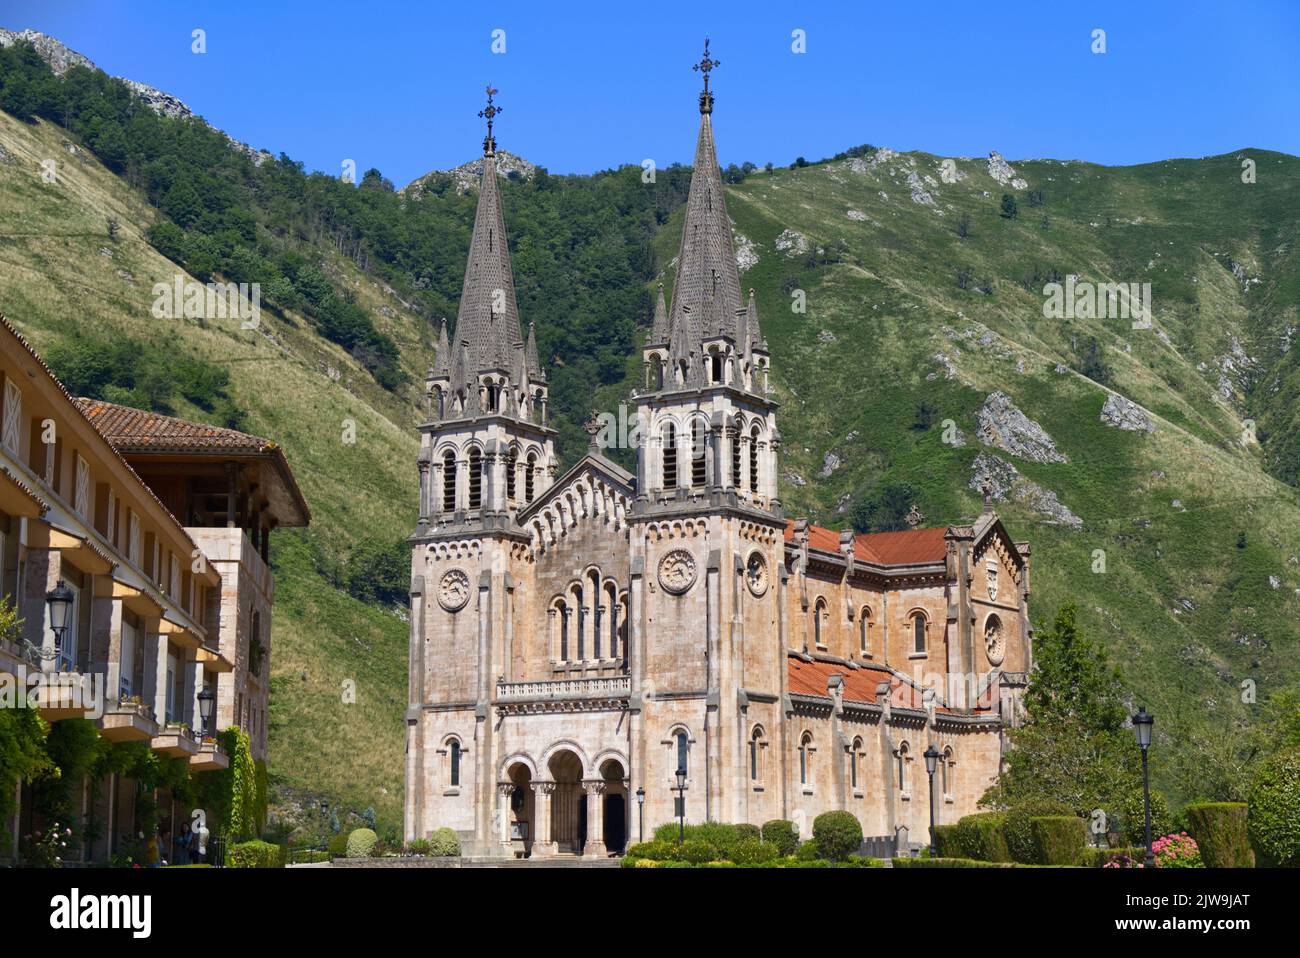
(1020, 840)
(444, 843)
(721, 835)
(750, 852)
(655, 851)
(945, 841)
(421, 846)
(1058, 839)
(1273, 821)
(981, 837)
(1220, 829)
(947, 863)
(361, 843)
(750, 832)
(697, 851)
(781, 833)
(808, 851)
(255, 854)
(1101, 857)
(339, 845)
(838, 834)
(1133, 820)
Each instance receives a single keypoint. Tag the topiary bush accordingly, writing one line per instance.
(255, 854)
(697, 851)
(751, 851)
(808, 851)
(444, 843)
(944, 838)
(655, 851)
(1020, 839)
(838, 834)
(1273, 821)
(982, 838)
(1221, 832)
(361, 843)
(338, 845)
(745, 831)
(1058, 839)
(781, 833)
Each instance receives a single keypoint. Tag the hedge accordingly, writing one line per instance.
(838, 834)
(750, 851)
(255, 854)
(338, 845)
(982, 838)
(1020, 839)
(948, 863)
(1100, 857)
(1221, 831)
(944, 838)
(1274, 817)
(1058, 839)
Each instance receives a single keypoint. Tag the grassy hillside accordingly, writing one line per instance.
(1199, 535)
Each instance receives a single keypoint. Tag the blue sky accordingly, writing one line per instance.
(590, 86)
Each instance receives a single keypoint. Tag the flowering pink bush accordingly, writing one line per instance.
(1177, 851)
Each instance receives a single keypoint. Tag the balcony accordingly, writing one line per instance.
(210, 757)
(175, 741)
(128, 720)
(226, 545)
(564, 690)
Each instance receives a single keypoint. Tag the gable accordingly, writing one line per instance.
(594, 490)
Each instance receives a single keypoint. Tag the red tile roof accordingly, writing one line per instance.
(908, 547)
(810, 678)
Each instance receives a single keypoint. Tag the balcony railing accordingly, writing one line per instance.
(612, 686)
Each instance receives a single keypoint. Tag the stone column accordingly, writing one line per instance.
(193, 686)
(425, 491)
(595, 847)
(154, 688)
(505, 790)
(42, 575)
(544, 846)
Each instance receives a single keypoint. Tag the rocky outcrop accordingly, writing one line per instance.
(830, 462)
(466, 177)
(59, 57)
(1004, 172)
(1003, 483)
(792, 243)
(1125, 414)
(919, 194)
(746, 252)
(1001, 425)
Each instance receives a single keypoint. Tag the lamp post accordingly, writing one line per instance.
(640, 808)
(681, 805)
(59, 600)
(1142, 723)
(931, 760)
(206, 701)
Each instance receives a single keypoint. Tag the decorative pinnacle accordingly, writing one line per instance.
(706, 66)
(914, 517)
(490, 112)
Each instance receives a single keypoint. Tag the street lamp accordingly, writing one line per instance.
(931, 760)
(60, 599)
(640, 808)
(206, 701)
(681, 805)
(1142, 723)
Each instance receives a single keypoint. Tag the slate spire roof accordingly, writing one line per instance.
(706, 299)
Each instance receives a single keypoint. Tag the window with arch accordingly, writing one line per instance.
(855, 760)
(670, 456)
(735, 456)
(682, 743)
(753, 460)
(946, 790)
(512, 458)
(902, 758)
(698, 475)
(493, 396)
(757, 743)
(715, 366)
(453, 763)
(658, 372)
(864, 631)
(475, 479)
(564, 630)
(918, 633)
(805, 758)
(598, 611)
(611, 599)
(448, 481)
(819, 615)
(582, 622)
(529, 467)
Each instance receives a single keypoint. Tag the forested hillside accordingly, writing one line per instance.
(902, 295)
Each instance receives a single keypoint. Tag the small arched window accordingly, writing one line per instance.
(683, 751)
(511, 460)
(715, 370)
(805, 758)
(449, 481)
(755, 753)
(582, 622)
(819, 614)
(735, 457)
(947, 765)
(670, 456)
(529, 468)
(493, 396)
(564, 631)
(753, 460)
(697, 454)
(855, 759)
(599, 612)
(918, 634)
(864, 631)
(453, 758)
(475, 479)
(902, 767)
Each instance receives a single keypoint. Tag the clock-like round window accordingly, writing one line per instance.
(756, 573)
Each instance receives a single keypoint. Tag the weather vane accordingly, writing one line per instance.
(489, 112)
(706, 66)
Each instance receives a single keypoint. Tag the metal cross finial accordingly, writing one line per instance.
(914, 517)
(489, 112)
(706, 66)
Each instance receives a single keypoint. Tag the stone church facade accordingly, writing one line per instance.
(579, 635)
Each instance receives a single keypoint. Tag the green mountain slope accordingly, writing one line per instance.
(1183, 556)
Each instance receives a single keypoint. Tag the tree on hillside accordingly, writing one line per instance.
(884, 509)
(1009, 209)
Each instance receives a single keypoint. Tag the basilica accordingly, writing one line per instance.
(594, 651)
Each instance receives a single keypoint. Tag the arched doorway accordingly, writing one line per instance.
(520, 813)
(568, 803)
(614, 811)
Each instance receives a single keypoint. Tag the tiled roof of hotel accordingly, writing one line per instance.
(908, 547)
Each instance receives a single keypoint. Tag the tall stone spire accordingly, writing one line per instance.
(488, 317)
(659, 326)
(706, 291)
